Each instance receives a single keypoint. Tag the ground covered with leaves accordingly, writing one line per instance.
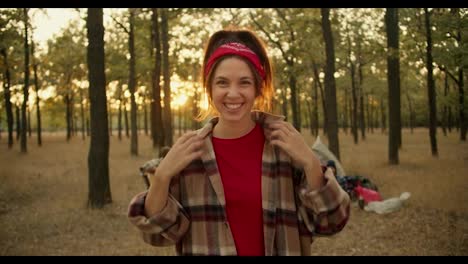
(43, 197)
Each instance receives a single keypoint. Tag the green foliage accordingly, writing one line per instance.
(292, 35)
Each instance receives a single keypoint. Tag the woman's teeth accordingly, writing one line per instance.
(232, 106)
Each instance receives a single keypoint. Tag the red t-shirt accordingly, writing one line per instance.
(240, 165)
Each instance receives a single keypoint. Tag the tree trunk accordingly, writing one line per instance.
(310, 113)
(68, 115)
(431, 87)
(352, 73)
(29, 122)
(168, 134)
(88, 128)
(145, 116)
(393, 75)
(132, 86)
(18, 122)
(383, 118)
(109, 116)
(127, 133)
(83, 135)
(24, 148)
(410, 109)
(322, 95)
(294, 100)
(462, 123)
(368, 114)
(75, 121)
(119, 118)
(196, 100)
(354, 125)
(98, 157)
(284, 105)
(444, 109)
(461, 106)
(7, 95)
(362, 119)
(315, 109)
(38, 108)
(157, 130)
(346, 111)
(449, 119)
(330, 89)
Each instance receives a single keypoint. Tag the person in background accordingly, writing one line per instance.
(246, 183)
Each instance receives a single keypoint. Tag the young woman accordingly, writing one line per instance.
(246, 183)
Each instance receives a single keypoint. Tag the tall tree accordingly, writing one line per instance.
(132, 85)
(132, 82)
(98, 157)
(167, 78)
(36, 86)
(354, 90)
(330, 89)
(24, 106)
(450, 55)
(7, 94)
(82, 113)
(393, 77)
(288, 54)
(157, 130)
(431, 85)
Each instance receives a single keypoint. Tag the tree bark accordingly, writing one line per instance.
(38, 108)
(127, 132)
(109, 117)
(330, 89)
(393, 75)
(362, 119)
(157, 128)
(83, 128)
(98, 157)
(461, 90)
(168, 134)
(354, 91)
(29, 122)
(322, 95)
(24, 146)
(7, 95)
(431, 93)
(119, 118)
(132, 86)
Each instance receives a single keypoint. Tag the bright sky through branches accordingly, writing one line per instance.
(52, 23)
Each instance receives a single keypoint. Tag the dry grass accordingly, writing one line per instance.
(43, 199)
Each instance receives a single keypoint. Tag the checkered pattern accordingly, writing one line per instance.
(194, 218)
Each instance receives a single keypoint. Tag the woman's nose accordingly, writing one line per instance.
(233, 91)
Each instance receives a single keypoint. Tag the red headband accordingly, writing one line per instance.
(235, 48)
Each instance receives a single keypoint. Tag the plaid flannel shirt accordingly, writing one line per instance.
(194, 217)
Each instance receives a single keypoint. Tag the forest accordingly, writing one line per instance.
(360, 78)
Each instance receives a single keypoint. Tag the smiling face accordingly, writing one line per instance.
(233, 90)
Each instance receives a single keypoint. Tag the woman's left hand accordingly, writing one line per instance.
(286, 137)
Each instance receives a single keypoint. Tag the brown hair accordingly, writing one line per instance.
(264, 87)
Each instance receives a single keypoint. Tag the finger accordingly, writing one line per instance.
(196, 145)
(196, 155)
(278, 134)
(187, 144)
(281, 126)
(290, 127)
(182, 139)
(280, 144)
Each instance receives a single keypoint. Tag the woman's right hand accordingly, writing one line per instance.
(187, 148)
